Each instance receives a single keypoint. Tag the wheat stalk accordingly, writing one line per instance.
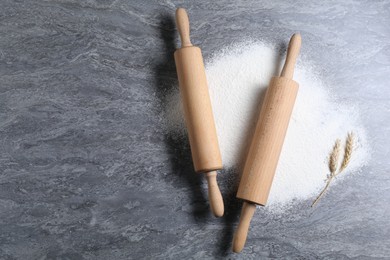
(349, 145)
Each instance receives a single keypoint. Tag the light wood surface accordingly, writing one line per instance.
(292, 53)
(239, 239)
(183, 26)
(215, 196)
(267, 142)
(197, 111)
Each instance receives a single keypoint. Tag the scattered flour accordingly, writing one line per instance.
(238, 77)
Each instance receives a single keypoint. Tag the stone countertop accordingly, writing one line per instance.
(88, 172)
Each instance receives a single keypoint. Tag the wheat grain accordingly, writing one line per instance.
(349, 144)
(334, 157)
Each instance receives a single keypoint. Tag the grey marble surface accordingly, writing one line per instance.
(88, 172)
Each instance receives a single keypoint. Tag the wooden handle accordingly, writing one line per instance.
(183, 25)
(215, 197)
(292, 53)
(248, 209)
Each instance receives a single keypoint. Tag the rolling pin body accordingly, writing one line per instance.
(197, 109)
(267, 141)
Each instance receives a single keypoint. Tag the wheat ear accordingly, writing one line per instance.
(334, 157)
(333, 163)
(349, 145)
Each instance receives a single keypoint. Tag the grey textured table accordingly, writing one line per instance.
(87, 171)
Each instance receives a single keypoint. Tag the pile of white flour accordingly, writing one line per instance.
(238, 77)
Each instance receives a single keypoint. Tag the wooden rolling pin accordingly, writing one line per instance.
(197, 111)
(267, 142)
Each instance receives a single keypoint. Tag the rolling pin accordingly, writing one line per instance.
(197, 111)
(267, 142)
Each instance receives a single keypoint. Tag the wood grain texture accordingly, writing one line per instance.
(267, 141)
(197, 112)
(183, 26)
(215, 196)
(239, 239)
(197, 109)
(292, 54)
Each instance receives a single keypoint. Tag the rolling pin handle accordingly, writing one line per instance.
(183, 25)
(215, 197)
(292, 53)
(239, 239)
